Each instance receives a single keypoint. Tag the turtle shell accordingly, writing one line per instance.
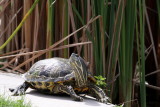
(44, 74)
(50, 70)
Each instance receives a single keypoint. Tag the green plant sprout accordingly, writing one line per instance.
(100, 81)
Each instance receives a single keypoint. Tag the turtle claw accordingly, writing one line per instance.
(78, 98)
(99, 94)
(105, 100)
(17, 92)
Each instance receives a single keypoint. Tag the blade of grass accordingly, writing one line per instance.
(141, 4)
(50, 29)
(114, 41)
(65, 26)
(126, 52)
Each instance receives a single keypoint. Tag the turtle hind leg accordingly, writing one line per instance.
(68, 90)
(20, 90)
(99, 94)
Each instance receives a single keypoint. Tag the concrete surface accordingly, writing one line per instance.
(37, 99)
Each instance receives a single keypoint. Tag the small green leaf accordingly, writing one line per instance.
(100, 81)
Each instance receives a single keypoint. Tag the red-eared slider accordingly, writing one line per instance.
(59, 75)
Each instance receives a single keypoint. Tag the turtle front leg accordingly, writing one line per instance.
(68, 90)
(20, 90)
(97, 92)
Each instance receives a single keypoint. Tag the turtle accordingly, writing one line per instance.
(59, 75)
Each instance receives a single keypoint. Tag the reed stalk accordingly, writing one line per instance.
(141, 5)
(50, 27)
(126, 52)
(20, 25)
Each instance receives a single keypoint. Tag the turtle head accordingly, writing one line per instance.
(80, 69)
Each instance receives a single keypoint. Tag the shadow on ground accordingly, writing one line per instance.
(64, 97)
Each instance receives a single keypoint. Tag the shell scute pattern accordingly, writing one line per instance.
(43, 74)
(43, 85)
